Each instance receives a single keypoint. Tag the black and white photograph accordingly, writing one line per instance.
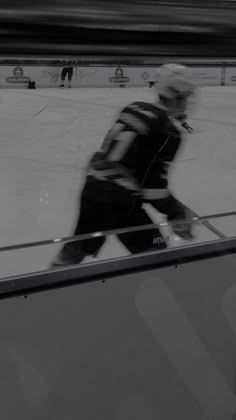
(118, 210)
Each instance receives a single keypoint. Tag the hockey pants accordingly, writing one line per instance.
(100, 213)
(66, 71)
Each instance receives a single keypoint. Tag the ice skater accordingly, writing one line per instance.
(131, 169)
(67, 71)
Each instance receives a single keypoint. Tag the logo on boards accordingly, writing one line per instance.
(18, 76)
(18, 72)
(119, 76)
(145, 75)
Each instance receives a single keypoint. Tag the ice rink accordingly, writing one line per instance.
(47, 136)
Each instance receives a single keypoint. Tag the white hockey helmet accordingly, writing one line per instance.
(174, 82)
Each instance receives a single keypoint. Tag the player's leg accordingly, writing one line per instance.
(90, 220)
(95, 208)
(142, 240)
(63, 76)
(70, 73)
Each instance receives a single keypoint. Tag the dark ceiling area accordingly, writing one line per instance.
(129, 28)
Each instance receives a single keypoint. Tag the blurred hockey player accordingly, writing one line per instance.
(67, 71)
(131, 169)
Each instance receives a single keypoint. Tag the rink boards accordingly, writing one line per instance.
(148, 337)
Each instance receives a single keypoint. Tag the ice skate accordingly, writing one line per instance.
(61, 85)
(69, 255)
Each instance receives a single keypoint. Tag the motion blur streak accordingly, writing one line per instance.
(130, 27)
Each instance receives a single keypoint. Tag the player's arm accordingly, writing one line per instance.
(157, 193)
(177, 215)
(165, 202)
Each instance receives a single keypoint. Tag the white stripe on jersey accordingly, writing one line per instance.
(148, 114)
(114, 131)
(123, 142)
(127, 183)
(135, 123)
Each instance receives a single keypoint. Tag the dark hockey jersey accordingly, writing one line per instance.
(137, 151)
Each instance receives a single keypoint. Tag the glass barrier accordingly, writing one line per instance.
(212, 234)
(48, 138)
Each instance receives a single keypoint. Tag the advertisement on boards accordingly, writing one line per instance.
(18, 76)
(102, 76)
(119, 76)
(230, 76)
(207, 76)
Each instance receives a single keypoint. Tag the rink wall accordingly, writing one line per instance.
(151, 336)
(17, 76)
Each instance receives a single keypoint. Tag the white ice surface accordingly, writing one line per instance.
(47, 136)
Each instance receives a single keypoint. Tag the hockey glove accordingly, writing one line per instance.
(182, 224)
(180, 219)
(178, 216)
(183, 230)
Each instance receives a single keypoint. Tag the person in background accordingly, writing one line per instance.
(67, 70)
